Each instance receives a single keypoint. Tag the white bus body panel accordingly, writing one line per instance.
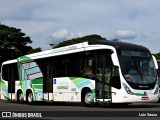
(4, 90)
(121, 96)
(65, 90)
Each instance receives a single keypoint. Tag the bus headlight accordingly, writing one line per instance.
(127, 89)
(156, 91)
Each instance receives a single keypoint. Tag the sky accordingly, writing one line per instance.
(53, 21)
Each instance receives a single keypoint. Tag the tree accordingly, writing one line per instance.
(157, 55)
(34, 50)
(14, 43)
(93, 37)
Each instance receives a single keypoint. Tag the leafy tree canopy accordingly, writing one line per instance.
(157, 55)
(14, 43)
(93, 37)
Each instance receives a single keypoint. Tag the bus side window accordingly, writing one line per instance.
(60, 66)
(87, 70)
(5, 72)
(47, 67)
(48, 76)
(88, 67)
(72, 68)
(10, 74)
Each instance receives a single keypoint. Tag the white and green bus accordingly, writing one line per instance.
(88, 72)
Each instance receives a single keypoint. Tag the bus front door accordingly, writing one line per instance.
(103, 82)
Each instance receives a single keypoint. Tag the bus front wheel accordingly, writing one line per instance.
(87, 99)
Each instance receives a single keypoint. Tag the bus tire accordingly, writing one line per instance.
(20, 97)
(30, 98)
(87, 99)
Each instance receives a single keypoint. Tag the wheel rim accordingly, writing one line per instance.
(20, 98)
(88, 98)
(30, 98)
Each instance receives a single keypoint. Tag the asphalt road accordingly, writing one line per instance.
(59, 111)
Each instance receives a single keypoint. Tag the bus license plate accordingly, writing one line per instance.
(145, 98)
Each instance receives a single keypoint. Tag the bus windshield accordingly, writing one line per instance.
(138, 68)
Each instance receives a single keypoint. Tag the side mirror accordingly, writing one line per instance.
(155, 62)
(115, 79)
(115, 60)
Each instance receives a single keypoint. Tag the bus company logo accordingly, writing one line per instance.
(20, 115)
(54, 81)
(6, 114)
(73, 47)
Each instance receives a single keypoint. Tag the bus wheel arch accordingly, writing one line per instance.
(20, 97)
(29, 96)
(87, 97)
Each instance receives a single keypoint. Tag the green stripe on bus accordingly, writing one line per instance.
(1, 81)
(94, 94)
(37, 81)
(3, 86)
(22, 83)
(139, 94)
(6, 98)
(78, 80)
(72, 78)
(24, 58)
(93, 91)
(33, 88)
(38, 86)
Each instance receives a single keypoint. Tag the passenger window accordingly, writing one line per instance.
(88, 67)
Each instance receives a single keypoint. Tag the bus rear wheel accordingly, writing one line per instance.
(87, 99)
(30, 98)
(20, 97)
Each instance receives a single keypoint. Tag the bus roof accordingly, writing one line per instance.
(9, 62)
(81, 47)
(120, 45)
